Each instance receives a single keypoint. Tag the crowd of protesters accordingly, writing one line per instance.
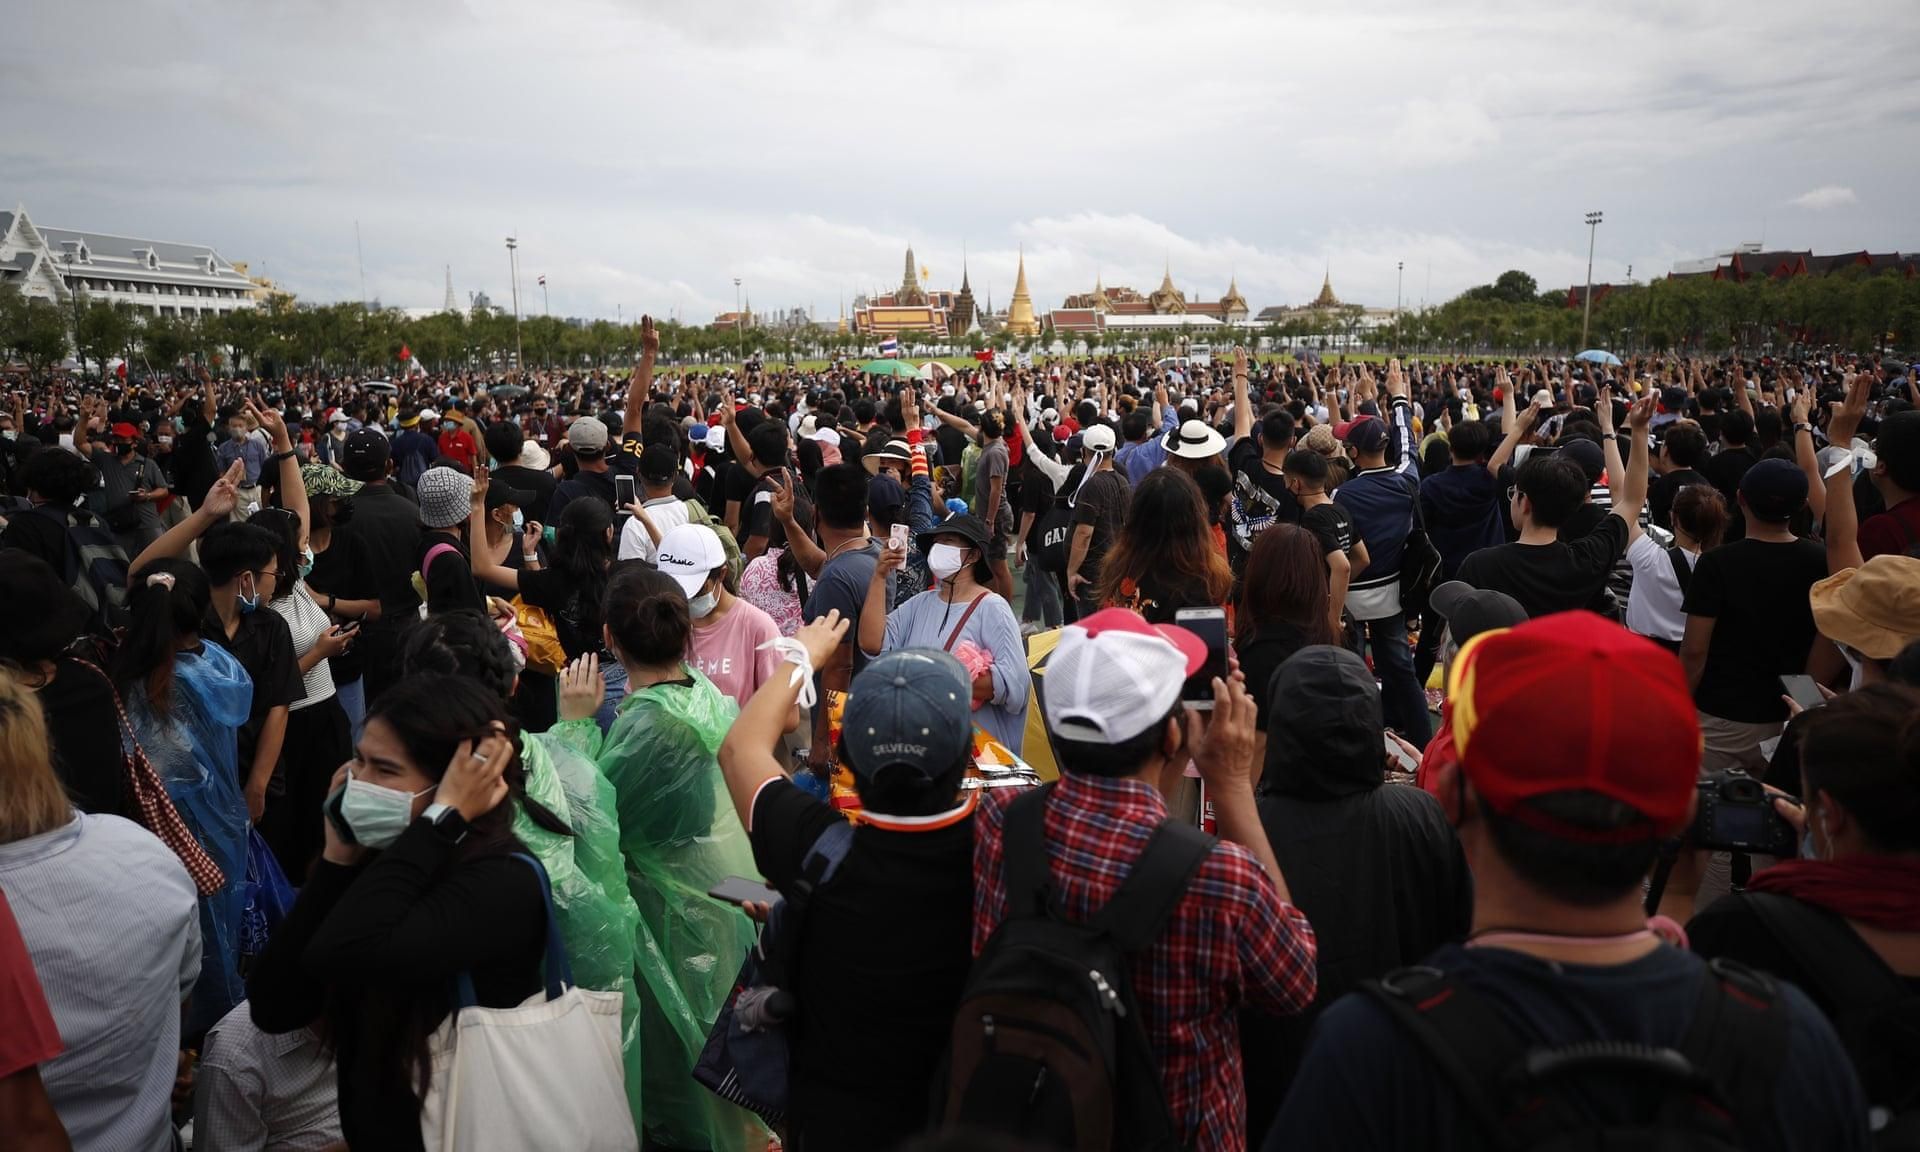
(1510, 646)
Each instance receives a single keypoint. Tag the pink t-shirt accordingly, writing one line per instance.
(728, 653)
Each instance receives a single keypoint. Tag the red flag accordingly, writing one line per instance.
(984, 355)
(121, 371)
(405, 352)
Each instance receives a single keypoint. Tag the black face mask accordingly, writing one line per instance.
(125, 449)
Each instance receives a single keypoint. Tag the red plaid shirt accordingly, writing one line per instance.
(1231, 943)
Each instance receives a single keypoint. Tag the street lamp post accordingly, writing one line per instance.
(1586, 316)
(513, 268)
(1400, 280)
(739, 322)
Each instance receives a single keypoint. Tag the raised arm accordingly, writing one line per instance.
(487, 569)
(1242, 405)
(807, 554)
(640, 384)
(293, 492)
(175, 541)
(1843, 517)
(1801, 430)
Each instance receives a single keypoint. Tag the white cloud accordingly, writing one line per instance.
(1824, 197)
(646, 155)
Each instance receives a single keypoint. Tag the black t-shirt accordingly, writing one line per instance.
(736, 487)
(883, 955)
(1730, 927)
(343, 571)
(1261, 656)
(83, 728)
(1036, 496)
(1545, 578)
(264, 647)
(1103, 504)
(389, 525)
(1756, 593)
(42, 532)
(953, 444)
(1331, 525)
(1725, 472)
(1259, 500)
(1365, 1084)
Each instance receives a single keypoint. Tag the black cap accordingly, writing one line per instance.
(1470, 611)
(965, 524)
(1774, 489)
(1590, 456)
(499, 495)
(365, 456)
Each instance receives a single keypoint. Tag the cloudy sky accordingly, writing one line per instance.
(648, 152)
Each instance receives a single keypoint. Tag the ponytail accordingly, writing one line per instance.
(167, 601)
(1702, 511)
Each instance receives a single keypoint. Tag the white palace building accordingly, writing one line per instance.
(156, 277)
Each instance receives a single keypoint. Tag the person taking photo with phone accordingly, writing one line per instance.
(960, 615)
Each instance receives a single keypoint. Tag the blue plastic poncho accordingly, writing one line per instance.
(194, 751)
(680, 837)
(596, 913)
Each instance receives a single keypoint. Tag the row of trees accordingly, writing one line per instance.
(1859, 308)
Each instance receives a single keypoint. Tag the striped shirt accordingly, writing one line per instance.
(111, 920)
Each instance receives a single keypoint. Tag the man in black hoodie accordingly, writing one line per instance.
(1380, 872)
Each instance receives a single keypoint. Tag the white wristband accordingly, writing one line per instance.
(793, 652)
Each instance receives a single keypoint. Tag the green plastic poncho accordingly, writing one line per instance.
(680, 837)
(597, 917)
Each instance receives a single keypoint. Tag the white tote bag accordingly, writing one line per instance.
(547, 1074)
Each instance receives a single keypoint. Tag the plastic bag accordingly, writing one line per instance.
(678, 837)
(267, 895)
(596, 914)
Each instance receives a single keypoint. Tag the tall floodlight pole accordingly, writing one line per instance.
(1586, 315)
(513, 269)
(1399, 282)
(739, 322)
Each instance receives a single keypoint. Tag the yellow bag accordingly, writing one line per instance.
(544, 653)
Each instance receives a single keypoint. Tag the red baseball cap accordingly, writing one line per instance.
(1572, 702)
(124, 431)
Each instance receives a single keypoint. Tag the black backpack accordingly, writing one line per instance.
(96, 566)
(1048, 1042)
(1875, 1014)
(1419, 561)
(1694, 1098)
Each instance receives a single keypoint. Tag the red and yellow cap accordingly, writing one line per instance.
(1572, 702)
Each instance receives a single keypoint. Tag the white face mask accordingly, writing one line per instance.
(378, 815)
(702, 606)
(945, 560)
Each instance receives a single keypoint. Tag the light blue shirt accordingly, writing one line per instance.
(111, 920)
(926, 621)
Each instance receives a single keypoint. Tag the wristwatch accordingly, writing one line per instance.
(1803, 426)
(447, 822)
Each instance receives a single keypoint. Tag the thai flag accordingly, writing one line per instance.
(889, 347)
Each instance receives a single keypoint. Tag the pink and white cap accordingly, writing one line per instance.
(1113, 676)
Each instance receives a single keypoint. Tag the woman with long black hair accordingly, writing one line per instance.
(572, 588)
(186, 698)
(1165, 559)
(416, 885)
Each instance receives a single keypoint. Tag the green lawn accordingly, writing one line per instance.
(1220, 356)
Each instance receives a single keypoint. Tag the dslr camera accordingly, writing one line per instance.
(1736, 815)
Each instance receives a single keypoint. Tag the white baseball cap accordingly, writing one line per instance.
(689, 554)
(1113, 675)
(1098, 438)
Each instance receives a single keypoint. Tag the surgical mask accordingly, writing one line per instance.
(701, 606)
(249, 600)
(377, 815)
(179, 424)
(306, 563)
(519, 520)
(946, 560)
(7, 433)
(236, 433)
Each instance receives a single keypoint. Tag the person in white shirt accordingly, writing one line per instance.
(664, 511)
(111, 921)
(1661, 575)
(256, 1091)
